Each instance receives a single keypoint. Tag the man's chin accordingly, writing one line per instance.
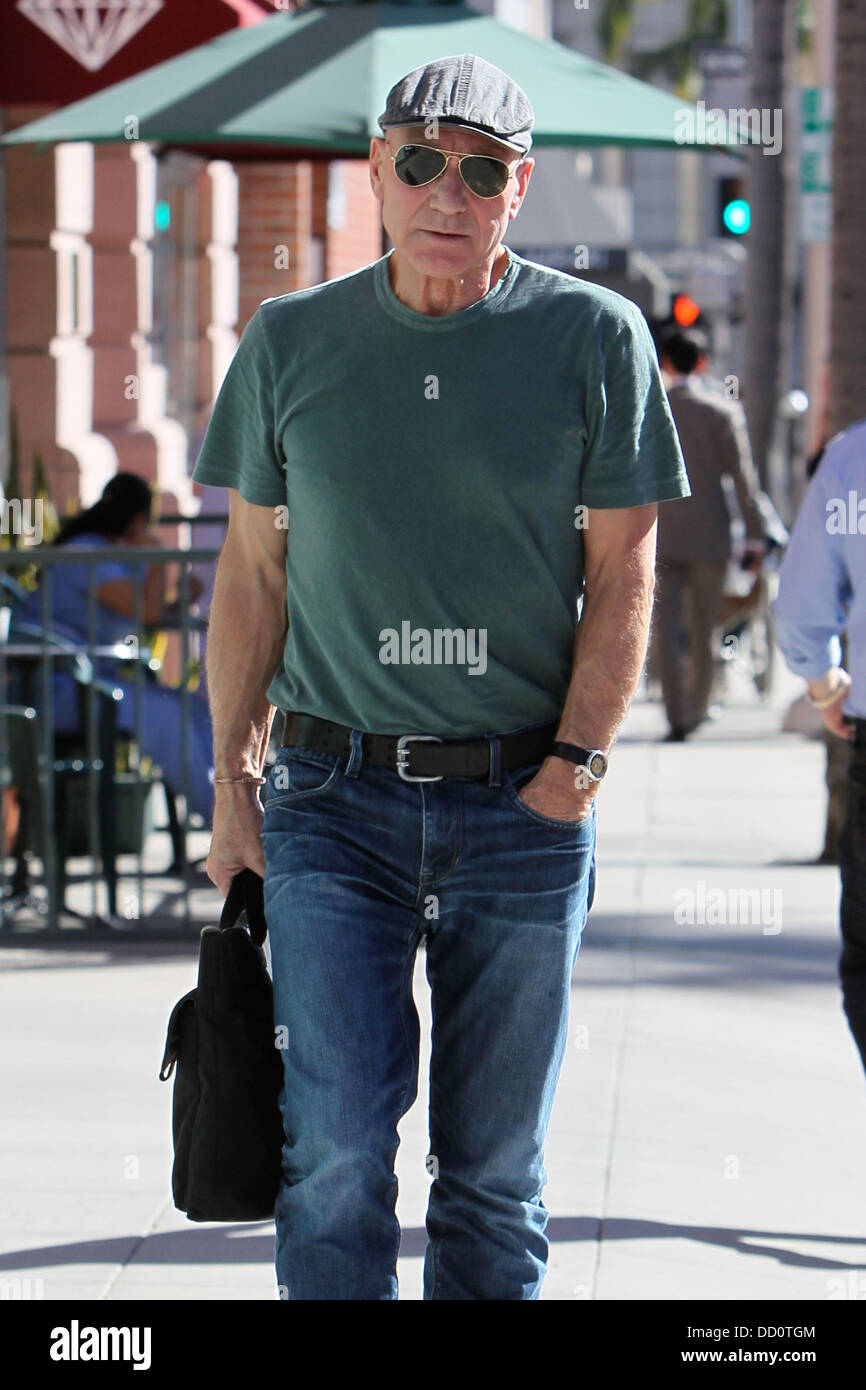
(436, 253)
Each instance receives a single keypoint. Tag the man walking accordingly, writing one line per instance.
(463, 441)
(822, 592)
(694, 540)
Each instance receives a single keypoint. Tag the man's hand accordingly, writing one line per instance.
(557, 790)
(236, 838)
(832, 716)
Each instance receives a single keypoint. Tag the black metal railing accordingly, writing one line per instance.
(39, 764)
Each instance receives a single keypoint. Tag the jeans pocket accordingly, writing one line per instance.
(298, 773)
(518, 778)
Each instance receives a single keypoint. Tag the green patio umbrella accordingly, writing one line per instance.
(314, 81)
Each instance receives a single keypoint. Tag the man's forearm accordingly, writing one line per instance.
(246, 637)
(609, 652)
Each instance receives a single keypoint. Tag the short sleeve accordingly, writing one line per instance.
(110, 570)
(633, 453)
(240, 449)
(105, 571)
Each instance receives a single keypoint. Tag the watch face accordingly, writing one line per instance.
(597, 765)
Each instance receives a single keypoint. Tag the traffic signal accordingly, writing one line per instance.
(734, 213)
(685, 311)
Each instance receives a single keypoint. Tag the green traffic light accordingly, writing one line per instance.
(737, 216)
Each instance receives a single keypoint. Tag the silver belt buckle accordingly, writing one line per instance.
(403, 756)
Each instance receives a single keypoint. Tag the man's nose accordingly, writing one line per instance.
(449, 190)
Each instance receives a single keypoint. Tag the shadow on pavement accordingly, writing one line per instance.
(738, 955)
(237, 1245)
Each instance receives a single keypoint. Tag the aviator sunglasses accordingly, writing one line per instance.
(484, 176)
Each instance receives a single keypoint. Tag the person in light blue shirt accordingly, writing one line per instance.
(67, 619)
(822, 593)
(822, 583)
(121, 516)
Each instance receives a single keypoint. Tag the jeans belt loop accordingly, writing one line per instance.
(495, 746)
(356, 756)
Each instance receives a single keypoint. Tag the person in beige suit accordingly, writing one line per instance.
(694, 538)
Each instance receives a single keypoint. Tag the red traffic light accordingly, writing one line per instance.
(685, 310)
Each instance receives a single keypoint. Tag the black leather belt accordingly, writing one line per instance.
(431, 758)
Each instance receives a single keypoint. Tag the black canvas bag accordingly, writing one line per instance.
(226, 1121)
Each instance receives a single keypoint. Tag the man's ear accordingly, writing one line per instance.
(377, 155)
(525, 170)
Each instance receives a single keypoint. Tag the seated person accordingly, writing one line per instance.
(122, 517)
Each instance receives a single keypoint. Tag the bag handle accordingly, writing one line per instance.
(246, 896)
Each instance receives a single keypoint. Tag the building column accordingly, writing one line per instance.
(48, 276)
(275, 231)
(353, 218)
(117, 315)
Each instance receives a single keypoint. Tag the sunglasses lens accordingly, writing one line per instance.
(418, 164)
(484, 177)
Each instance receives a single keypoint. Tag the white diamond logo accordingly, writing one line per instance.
(90, 31)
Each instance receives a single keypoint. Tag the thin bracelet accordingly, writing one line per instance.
(827, 700)
(258, 781)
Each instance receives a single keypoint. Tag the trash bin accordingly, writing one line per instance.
(134, 813)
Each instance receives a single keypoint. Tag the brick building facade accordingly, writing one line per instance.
(130, 276)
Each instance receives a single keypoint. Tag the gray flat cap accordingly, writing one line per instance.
(462, 90)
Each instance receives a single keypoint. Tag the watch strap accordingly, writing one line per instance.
(572, 753)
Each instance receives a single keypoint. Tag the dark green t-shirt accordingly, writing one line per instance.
(433, 473)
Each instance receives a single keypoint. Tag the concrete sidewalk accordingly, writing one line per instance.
(709, 1134)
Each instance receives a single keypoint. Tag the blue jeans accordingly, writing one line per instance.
(361, 865)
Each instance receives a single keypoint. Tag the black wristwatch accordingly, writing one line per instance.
(592, 761)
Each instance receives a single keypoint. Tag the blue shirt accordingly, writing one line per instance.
(68, 619)
(822, 581)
